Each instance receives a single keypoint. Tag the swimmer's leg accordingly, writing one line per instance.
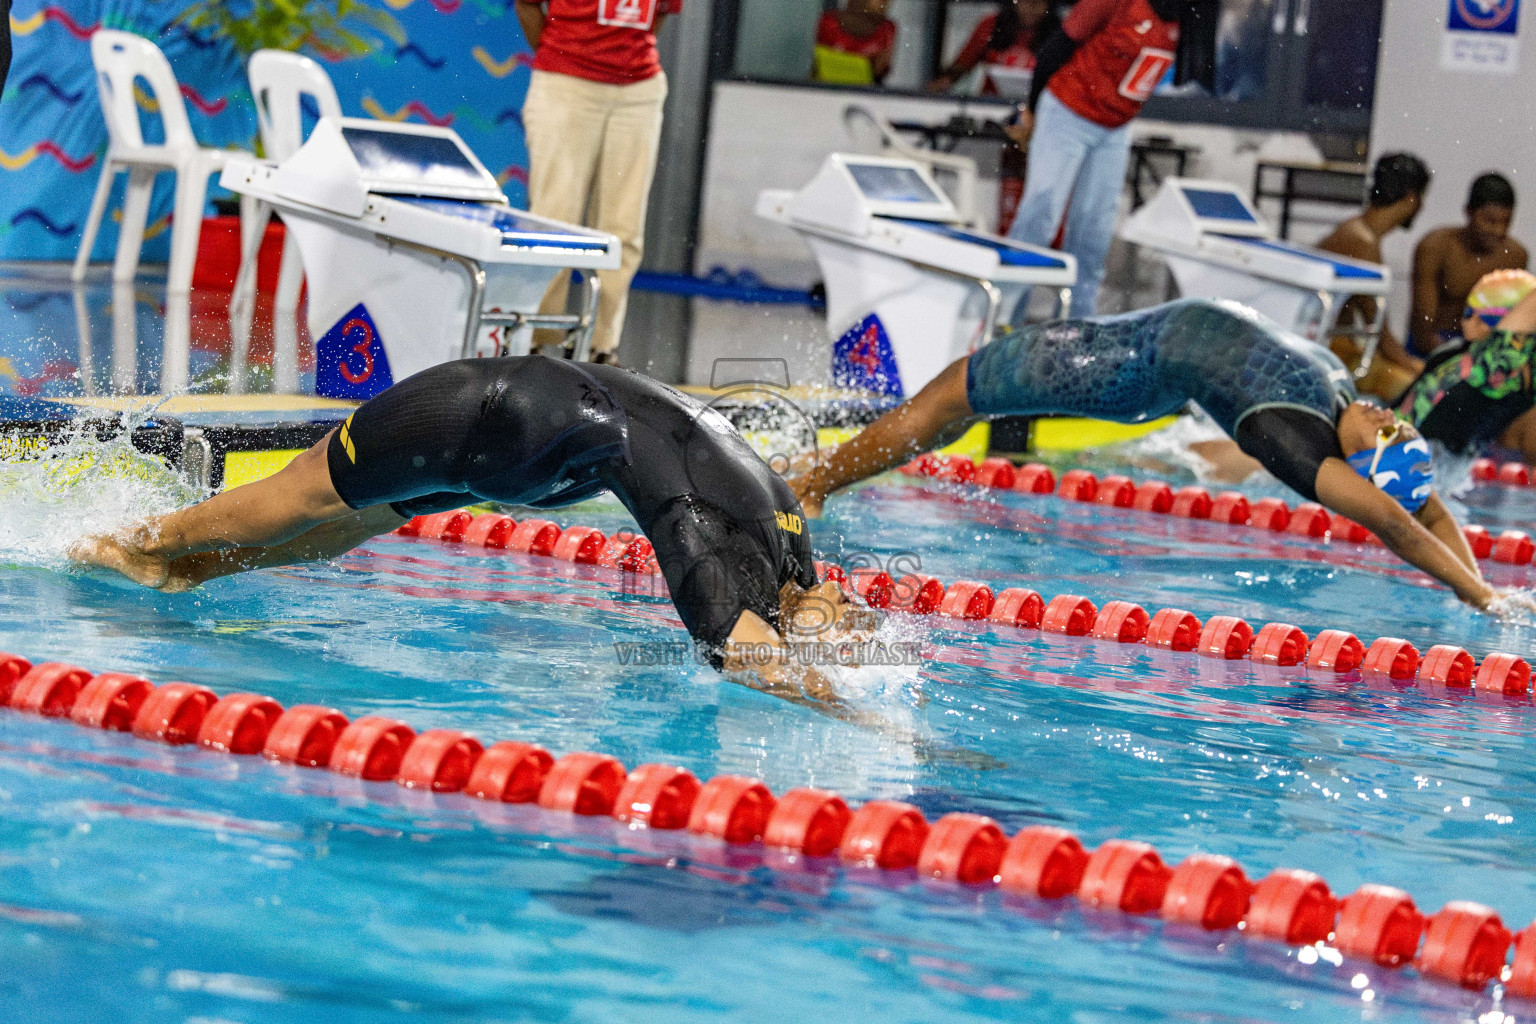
(1229, 463)
(905, 431)
(269, 512)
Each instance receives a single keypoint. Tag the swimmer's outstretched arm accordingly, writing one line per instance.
(910, 429)
(1430, 540)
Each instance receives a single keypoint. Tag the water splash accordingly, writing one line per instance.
(83, 486)
(1517, 605)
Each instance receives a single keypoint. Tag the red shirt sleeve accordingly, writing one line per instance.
(976, 46)
(826, 30)
(671, 7)
(1088, 17)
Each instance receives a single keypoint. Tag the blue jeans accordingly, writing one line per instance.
(1071, 159)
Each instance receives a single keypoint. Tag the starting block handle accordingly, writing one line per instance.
(579, 328)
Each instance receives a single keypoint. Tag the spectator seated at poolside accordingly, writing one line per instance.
(1480, 388)
(1397, 195)
(1449, 261)
(855, 46)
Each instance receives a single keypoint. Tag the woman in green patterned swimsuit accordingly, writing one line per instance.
(1481, 390)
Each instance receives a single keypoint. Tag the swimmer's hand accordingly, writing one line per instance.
(127, 559)
(1513, 603)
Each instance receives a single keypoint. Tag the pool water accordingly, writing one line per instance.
(144, 883)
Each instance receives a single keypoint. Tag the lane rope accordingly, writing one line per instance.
(1173, 629)
(1231, 508)
(1464, 943)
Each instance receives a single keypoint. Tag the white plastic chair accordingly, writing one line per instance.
(121, 58)
(279, 81)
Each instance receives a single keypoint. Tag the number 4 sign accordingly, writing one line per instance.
(638, 14)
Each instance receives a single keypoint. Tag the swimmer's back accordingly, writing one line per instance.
(1138, 366)
(530, 430)
(727, 529)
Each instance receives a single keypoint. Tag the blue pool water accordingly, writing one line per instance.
(142, 883)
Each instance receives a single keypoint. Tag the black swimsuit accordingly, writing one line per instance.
(728, 532)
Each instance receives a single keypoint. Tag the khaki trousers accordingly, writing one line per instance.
(592, 155)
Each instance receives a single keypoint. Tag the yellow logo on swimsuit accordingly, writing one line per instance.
(346, 440)
(789, 523)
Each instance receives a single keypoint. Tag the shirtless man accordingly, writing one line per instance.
(1450, 261)
(1397, 194)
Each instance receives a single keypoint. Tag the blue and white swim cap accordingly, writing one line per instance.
(1402, 470)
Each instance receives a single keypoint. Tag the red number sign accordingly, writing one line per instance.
(361, 348)
(1146, 71)
(866, 351)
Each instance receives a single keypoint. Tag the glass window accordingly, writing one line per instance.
(1307, 65)
(1344, 37)
(1243, 37)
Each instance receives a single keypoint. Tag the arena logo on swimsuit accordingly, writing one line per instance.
(350, 361)
(862, 359)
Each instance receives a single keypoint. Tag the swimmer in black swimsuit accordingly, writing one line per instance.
(1287, 403)
(728, 533)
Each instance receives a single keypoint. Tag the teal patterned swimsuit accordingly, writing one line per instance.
(1475, 394)
(1139, 366)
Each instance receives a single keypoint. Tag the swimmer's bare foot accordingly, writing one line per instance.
(112, 553)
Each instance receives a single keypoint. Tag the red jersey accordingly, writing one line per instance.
(830, 33)
(611, 41)
(1018, 58)
(1124, 50)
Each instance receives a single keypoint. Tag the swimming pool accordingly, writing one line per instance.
(151, 883)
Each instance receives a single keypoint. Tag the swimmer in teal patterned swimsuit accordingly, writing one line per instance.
(1285, 402)
(1481, 388)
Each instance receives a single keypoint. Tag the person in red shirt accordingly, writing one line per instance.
(863, 30)
(1091, 78)
(592, 120)
(1004, 44)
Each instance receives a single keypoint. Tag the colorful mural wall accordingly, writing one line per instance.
(463, 63)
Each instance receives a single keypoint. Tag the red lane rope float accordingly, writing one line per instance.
(1309, 519)
(1514, 474)
(1464, 944)
(1174, 629)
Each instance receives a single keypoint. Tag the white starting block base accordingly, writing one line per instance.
(1217, 247)
(909, 288)
(412, 254)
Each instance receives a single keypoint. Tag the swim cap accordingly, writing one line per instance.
(1402, 470)
(1498, 293)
